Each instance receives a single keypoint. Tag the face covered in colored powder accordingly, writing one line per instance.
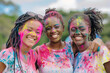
(31, 32)
(53, 28)
(79, 31)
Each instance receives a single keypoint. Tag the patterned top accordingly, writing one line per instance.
(91, 63)
(55, 61)
(7, 57)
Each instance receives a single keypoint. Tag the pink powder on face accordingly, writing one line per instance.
(40, 28)
(71, 25)
(53, 29)
(82, 46)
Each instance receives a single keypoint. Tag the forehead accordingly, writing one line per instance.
(35, 24)
(52, 20)
(79, 22)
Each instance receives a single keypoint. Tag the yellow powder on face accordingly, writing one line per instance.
(31, 21)
(25, 27)
(79, 20)
(33, 33)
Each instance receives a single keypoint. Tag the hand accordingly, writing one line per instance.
(96, 44)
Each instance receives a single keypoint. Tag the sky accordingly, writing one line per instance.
(39, 6)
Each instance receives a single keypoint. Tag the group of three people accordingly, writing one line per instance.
(56, 56)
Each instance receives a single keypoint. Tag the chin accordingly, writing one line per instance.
(55, 41)
(29, 44)
(79, 43)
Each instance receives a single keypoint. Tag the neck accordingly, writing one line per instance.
(83, 47)
(24, 49)
(55, 45)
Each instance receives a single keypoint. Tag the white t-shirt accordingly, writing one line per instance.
(91, 63)
(7, 57)
(55, 61)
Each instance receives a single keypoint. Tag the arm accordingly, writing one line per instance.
(104, 57)
(107, 66)
(36, 49)
(2, 67)
(96, 43)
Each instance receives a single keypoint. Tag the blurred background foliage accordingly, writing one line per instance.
(7, 20)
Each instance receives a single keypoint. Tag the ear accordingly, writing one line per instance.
(20, 28)
(89, 30)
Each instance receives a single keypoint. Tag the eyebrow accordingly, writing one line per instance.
(29, 27)
(47, 26)
(56, 24)
(81, 26)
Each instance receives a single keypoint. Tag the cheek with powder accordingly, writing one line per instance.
(21, 33)
(39, 35)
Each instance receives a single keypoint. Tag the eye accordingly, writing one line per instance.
(57, 26)
(29, 29)
(82, 29)
(48, 28)
(37, 32)
(73, 29)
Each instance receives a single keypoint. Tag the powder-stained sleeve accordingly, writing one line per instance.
(104, 54)
(6, 57)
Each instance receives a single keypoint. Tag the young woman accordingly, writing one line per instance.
(18, 57)
(55, 56)
(82, 28)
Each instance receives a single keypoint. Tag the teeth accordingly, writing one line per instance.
(78, 38)
(54, 36)
(31, 39)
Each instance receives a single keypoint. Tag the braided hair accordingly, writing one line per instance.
(52, 12)
(94, 17)
(14, 38)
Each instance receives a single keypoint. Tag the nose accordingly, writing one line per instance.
(77, 32)
(53, 30)
(33, 33)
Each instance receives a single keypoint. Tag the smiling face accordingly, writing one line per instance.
(79, 31)
(53, 28)
(30, 33)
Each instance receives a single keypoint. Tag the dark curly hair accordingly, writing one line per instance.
(14, 38)
(52, 12)
(94, 17)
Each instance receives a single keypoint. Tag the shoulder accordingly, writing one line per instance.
(104, 49)
(42, 47)
(6, 56)
(68, 46)
(6, 52)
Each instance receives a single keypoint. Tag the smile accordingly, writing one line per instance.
(54, 35)
(31, 38)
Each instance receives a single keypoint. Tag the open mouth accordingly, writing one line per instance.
(31, 38)
(78, 38)
(54, 36)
